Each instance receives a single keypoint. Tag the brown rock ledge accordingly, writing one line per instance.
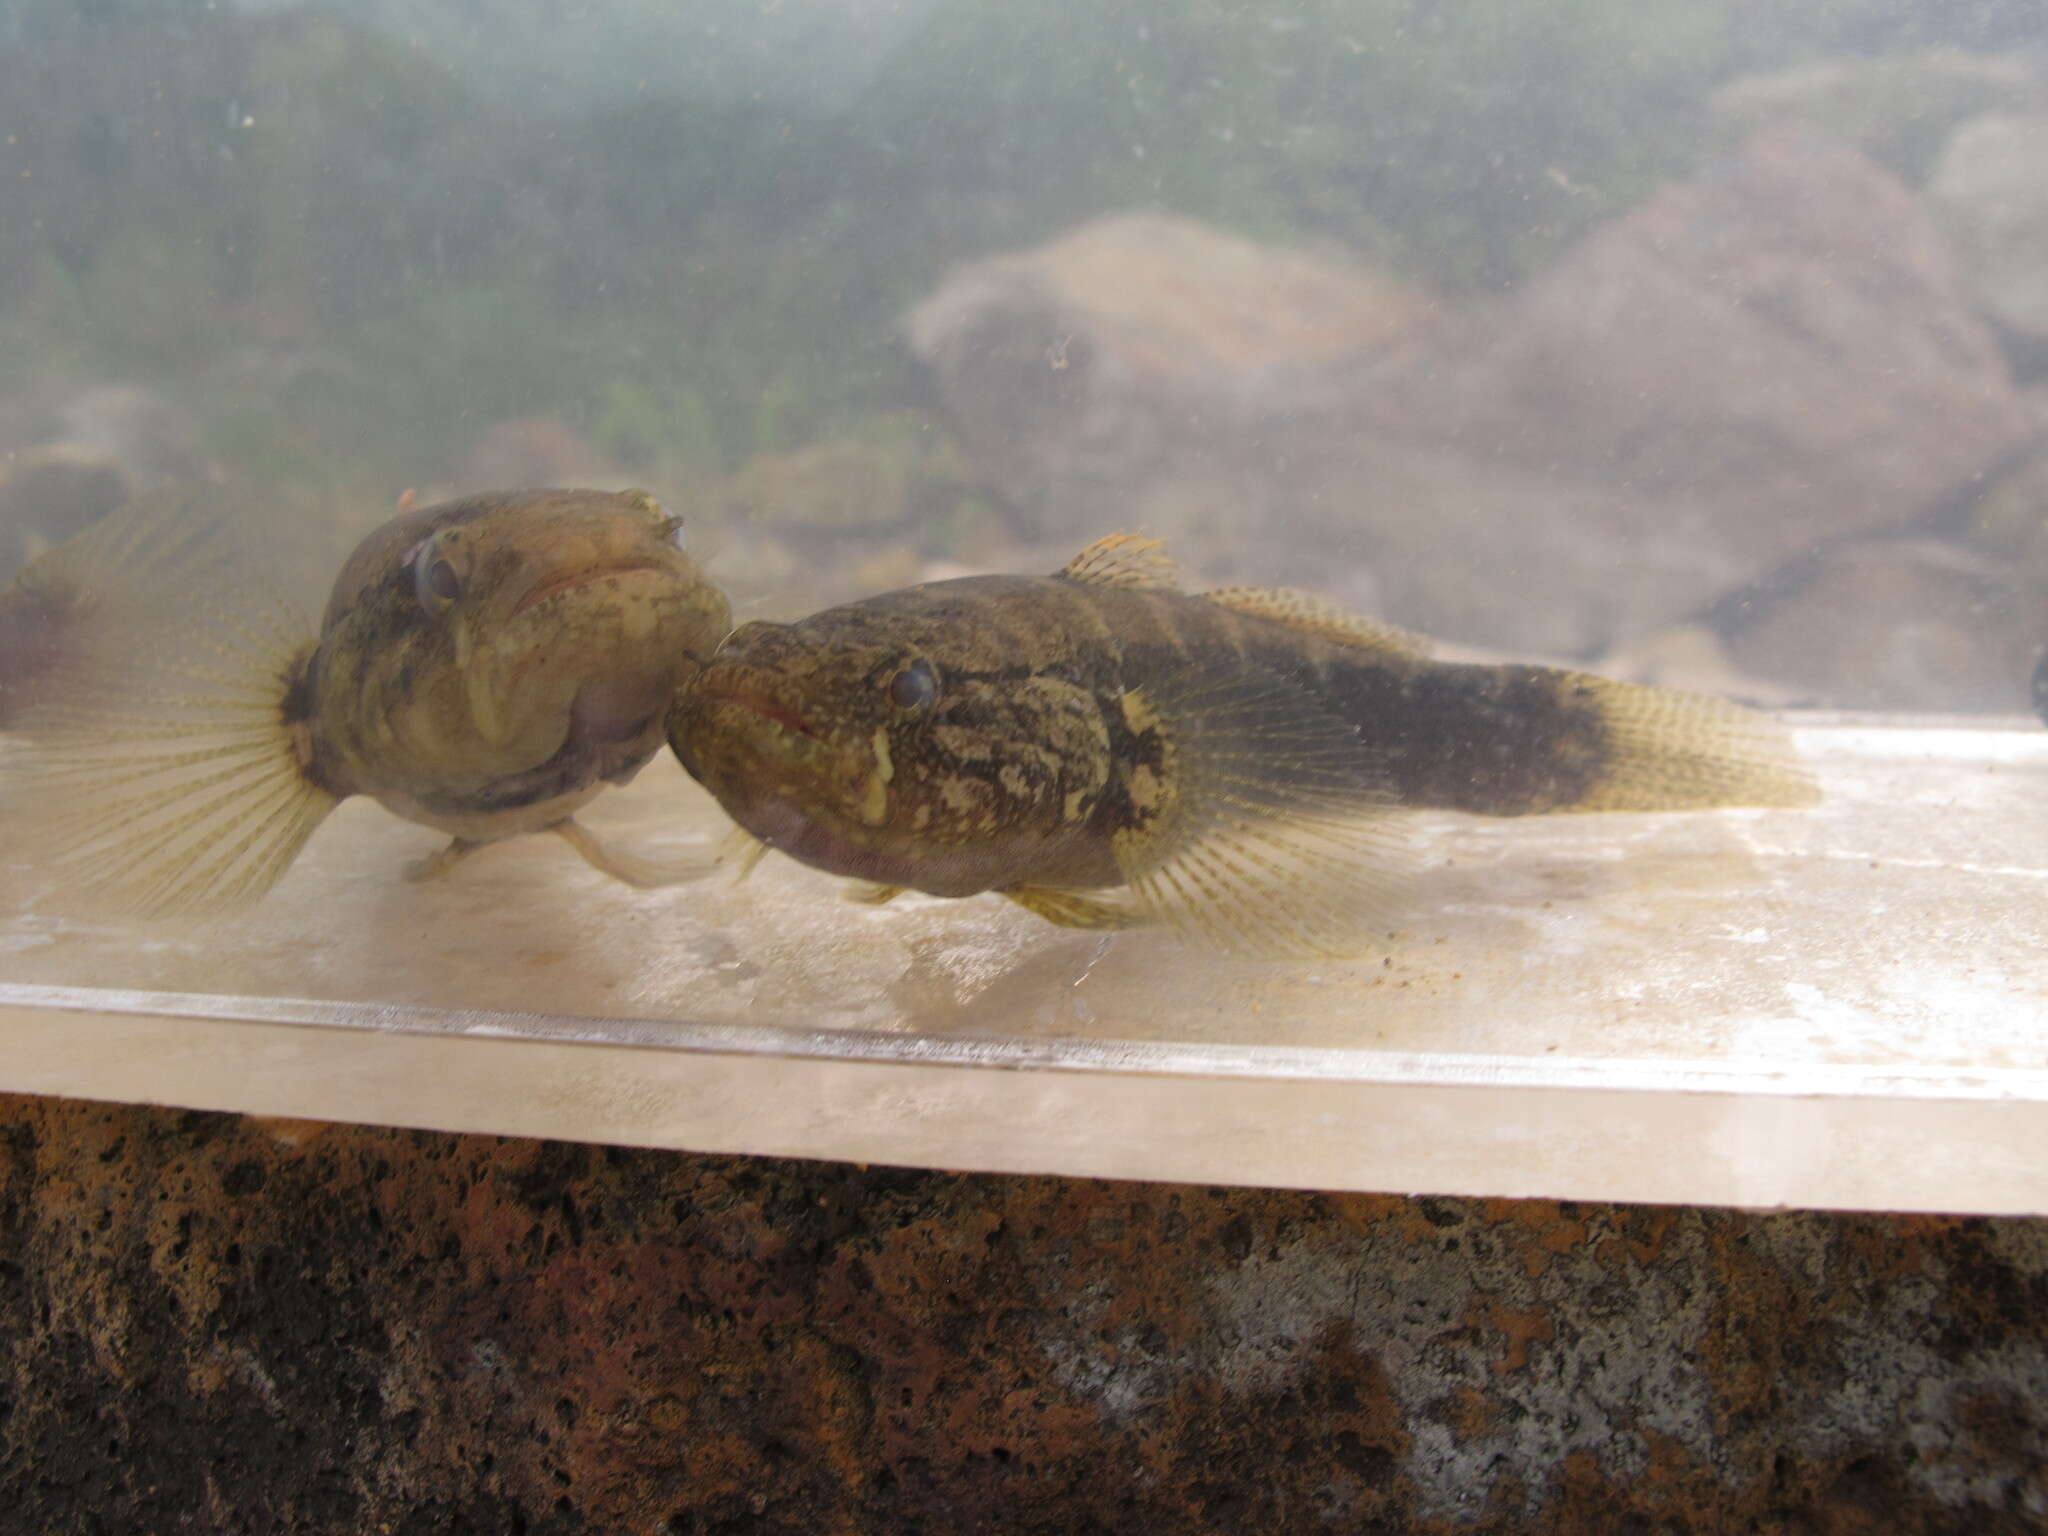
(224, 1325)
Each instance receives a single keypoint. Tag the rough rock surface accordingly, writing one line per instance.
(219, 1325)
(846, 516)
(1897, 108)
(1913, 624)
(1773, 354)
(1138, 349)
(1992, 189)
(533, 450)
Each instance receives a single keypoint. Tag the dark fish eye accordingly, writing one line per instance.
(914, 689)
(435, 581)
(672, 530)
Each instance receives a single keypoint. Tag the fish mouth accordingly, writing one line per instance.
(813, 840)
(774, 771)
(826, 842)
(613, 730)
(726, 685)
(606, 712)
(569, 581)
(774, 713)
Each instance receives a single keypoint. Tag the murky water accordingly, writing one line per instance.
(1672, 340)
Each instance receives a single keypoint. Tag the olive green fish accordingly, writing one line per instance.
(1230, 760)
(173, 725)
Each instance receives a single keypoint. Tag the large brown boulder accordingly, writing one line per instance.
(67, 462)
(1991, 188)
(1897, 108)
(1118, 374)
(1913, 624)
(1772, 355)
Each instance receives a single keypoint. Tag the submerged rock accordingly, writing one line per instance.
(1128, 352)
(535, 450)
(1774, 354)
(1992, 190)
(64, 464)
(1915, 624)
(1898, 108)
(846, 515)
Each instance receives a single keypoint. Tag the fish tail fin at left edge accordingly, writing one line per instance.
(148, 767)
(1669, 750)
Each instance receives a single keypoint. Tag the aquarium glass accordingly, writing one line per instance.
(1699, 345)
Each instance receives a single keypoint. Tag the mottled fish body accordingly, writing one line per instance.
(1231, 758)
(174, 725)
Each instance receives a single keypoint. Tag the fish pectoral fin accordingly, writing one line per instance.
(1124, 560)
(632, 869)
(1071, 909)
(1313, 615)
(437, 864)
(153, 767)
(869, 893)
(1261, 823)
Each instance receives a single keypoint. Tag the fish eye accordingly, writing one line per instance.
(914, 689)
(435, 581)
(672, 530)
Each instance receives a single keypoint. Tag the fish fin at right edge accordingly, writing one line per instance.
(1124, 560)
(148, 767)
(1669, 750)
(1268, 828)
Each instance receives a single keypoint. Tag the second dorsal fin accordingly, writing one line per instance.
(1312, 615)
(1124, 560)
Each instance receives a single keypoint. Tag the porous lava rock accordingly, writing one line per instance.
(221, 1325)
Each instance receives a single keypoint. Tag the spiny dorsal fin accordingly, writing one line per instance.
(150, 770)
(1314, 616)
(1124, 560)
(1268, 826)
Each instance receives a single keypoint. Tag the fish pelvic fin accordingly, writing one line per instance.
(1124, 560)
(638, 870)
(153, 765)
(1312, 615)
(1669, 750)
(1260, 823)
(869, 893)
(439, 864)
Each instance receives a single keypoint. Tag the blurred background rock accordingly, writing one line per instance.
(1622, 329)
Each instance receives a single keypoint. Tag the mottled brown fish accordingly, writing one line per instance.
(173, 726)
(1229, 759)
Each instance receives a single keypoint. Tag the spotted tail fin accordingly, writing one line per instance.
(1668, 750)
